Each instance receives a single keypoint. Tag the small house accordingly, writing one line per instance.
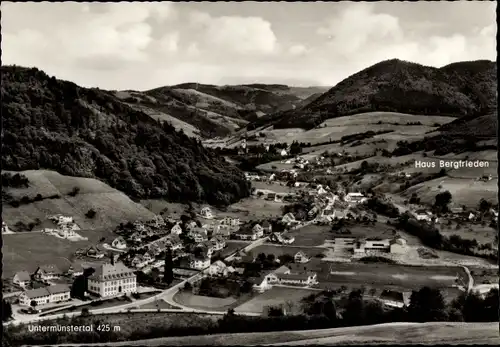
(301, 257)
(206, 213)
(219, 268)
(119, 243)
(267, 227)
(199, 263)
(22, 278)
(47, 272)
(260, 284)
(398, 246)
(176, 229)
(288, 218)
(246, 235)
(258, 230)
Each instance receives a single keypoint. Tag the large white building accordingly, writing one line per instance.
(110, 280)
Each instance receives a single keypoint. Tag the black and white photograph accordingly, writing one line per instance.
(249, 173)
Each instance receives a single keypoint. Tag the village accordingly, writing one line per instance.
(323, 239)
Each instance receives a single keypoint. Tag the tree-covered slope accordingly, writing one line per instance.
(460, 89)
(57, 125)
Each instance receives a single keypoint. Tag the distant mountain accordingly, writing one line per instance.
(459, 89)
(218, 110)
(57, 125)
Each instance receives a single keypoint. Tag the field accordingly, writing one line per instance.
(171, 209)
(274, 296)
(26, 251)
(484, 276)
(466, 192)
(278, 250)
(482, 235)
(398, 277)
(161, 304)
(202, 302)
(112, 206)
(253, 208)
(310, 235)
(278, 188)
(363, 119)
(390, 333)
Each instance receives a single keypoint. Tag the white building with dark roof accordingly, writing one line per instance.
(22, 278)
(110, 280)
(46, 295)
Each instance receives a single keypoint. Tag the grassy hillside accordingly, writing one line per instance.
(218, 110)
(392, 333)
(57, 125)
(461, 89)
(111, 205)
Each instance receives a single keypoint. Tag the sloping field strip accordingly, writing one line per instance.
(411, 333)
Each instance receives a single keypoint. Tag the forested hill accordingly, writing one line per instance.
(57, 125)
(459, 89)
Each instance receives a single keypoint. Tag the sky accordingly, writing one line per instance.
(142, 46)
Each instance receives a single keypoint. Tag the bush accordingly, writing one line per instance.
(90, 213)
(74, 191)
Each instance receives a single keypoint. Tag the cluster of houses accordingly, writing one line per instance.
(108, 279)
(66, 227)
(209, 237)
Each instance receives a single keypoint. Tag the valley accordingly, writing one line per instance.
(255, 205)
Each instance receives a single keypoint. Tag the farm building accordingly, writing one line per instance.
(46, 295)
(47, 272)
(247, 235)
(395, 298)
(355, 198)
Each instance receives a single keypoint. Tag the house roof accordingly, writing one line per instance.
(23, 276)
(58, 288)
(301, 253)
(220, 263)
(37, 293)
(257, 280)
(282, 269)
(109, 272)
(298, 276)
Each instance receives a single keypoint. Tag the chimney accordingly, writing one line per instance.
(112, 259)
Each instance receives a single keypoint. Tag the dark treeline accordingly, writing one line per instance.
(56, 125)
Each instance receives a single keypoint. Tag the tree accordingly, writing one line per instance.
(484, 205)
(155, 274)
(6, 310)
(442, 201)
(33, 304)
(427, 305)
(188, 286)
(168, 276)
(90, 213)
